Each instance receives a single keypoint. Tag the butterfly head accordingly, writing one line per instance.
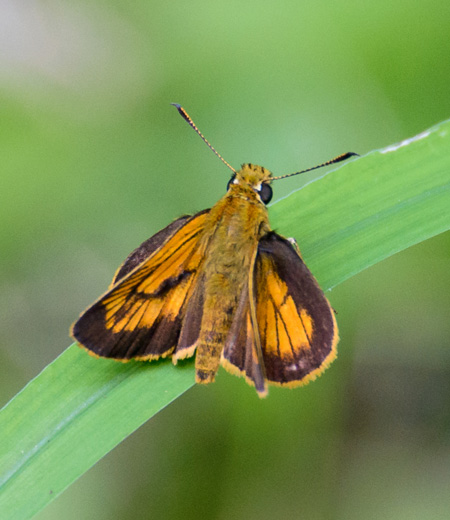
(255, 178)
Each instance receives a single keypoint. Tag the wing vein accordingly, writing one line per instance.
(280, 316)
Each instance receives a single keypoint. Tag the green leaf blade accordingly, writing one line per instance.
(70, 416)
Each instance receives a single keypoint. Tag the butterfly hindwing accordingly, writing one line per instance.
(296, 323)
(141, 316)
(240, 353)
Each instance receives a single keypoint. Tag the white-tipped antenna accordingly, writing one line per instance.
(337, 159)
(186, 117)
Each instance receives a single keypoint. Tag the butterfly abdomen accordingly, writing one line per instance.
(226, 272)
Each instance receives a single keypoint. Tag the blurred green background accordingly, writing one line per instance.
(94, 160)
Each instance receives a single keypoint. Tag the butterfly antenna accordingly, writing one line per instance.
(191, 123)
(337, 159)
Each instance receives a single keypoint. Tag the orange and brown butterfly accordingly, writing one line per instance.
(223, 286)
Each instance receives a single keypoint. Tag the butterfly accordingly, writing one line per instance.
(220, 284)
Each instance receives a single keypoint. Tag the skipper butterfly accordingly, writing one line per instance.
(223, 286)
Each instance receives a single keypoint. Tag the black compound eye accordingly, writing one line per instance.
(230, 182)
(265, 193)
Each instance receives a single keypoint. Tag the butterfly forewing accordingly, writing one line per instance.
(148, 247)
(296, 323)
(141, 315)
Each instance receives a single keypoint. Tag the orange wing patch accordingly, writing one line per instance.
(141, 316)
(286, 330)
